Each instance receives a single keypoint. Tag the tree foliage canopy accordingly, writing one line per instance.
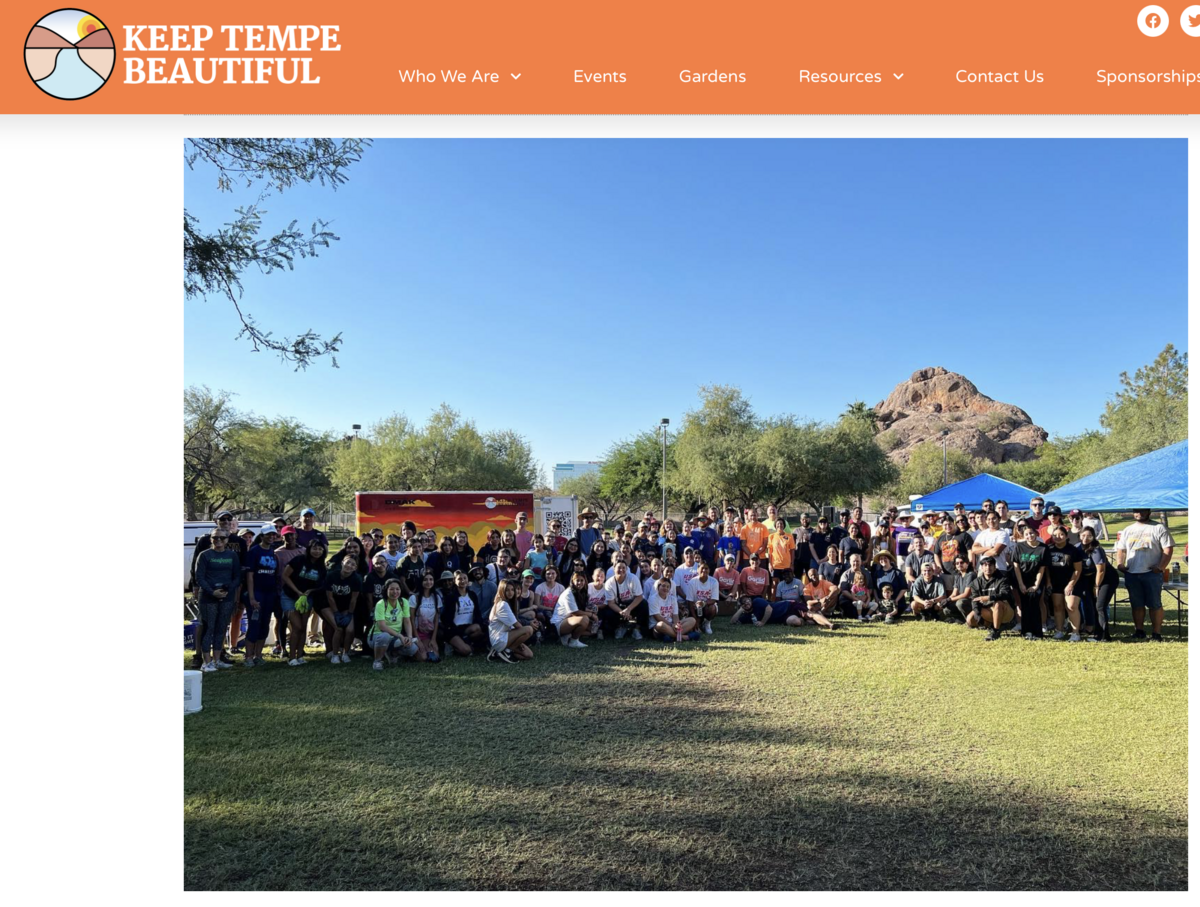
(215, 260)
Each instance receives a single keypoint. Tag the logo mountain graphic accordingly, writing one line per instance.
(69, 54)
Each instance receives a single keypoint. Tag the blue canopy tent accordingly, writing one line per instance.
(1157, 480)
(971, 493)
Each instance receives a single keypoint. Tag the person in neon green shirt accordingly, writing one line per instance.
(393, 634)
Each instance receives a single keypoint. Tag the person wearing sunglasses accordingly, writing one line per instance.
(219, 579)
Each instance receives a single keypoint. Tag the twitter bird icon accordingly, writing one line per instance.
(1189, 21)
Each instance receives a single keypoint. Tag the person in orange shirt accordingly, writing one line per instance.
(728, 577)
(754, 535)
(781, 546)
(754, 580)
(822, 595)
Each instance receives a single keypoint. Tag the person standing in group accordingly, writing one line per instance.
(1064, 566)
(445, 558)
(284, 555)
(803, 556)
(462, 547)
(730, 544)
(754, 537)
(219, 579)
(587, 534)
(223, 522)
(1097, 585)
(393, 636)
(303, 577)
(262, 594)
(392, 552)
(955, 544)
(994, 542)
(1029, 571)
(781, 549)
(522, 537)
(1143, 552)
(307, 530)
(507, 636)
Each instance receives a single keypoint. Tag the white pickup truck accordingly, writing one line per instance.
(193, 529)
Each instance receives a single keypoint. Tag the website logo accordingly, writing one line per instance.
(69, 54)
(1189, 21)
(1153, 21)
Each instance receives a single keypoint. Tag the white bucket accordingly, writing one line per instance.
(191, 692)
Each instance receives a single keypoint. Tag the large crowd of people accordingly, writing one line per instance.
(418, 597)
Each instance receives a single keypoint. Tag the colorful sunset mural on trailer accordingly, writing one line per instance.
(445, 512)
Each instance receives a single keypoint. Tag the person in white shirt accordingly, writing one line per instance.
(666, 621)
(993, 542)
(656, 573)
(702, 593)
(686, 572)
(597, 601)
(1143, 552)
(626, 604)
(507, 636)
(570, 617)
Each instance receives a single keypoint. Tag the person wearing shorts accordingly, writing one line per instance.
(393, 636)
(571, 619)
(1064, 566)
(508, 639)
(343, 586)
(1143, 552)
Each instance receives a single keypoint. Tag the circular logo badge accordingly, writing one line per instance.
(490, 503)
(1189, 21)
(1153, 21)
(69, 54)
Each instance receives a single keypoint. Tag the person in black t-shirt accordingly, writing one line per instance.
(819, 541)
(1097, 583)
(1029, 574)
(343, 588)
(1064, 565)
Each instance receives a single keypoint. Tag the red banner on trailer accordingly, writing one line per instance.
(445, 512)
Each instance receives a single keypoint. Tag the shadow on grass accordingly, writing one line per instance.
(612, 770)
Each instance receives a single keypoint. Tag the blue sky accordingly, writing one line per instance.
(578, 291)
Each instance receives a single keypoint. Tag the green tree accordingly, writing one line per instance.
(632, 473)
(215, 260)
(923, 472)
(855, 463)
(1150, 410)
(792, 461)
(714, 451)
(209, 456)
(280, 464)
(588, 488)
(860, 412)
(448, 453)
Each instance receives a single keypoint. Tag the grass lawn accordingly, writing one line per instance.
(910, 756)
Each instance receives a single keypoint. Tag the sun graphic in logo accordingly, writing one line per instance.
(69, 54)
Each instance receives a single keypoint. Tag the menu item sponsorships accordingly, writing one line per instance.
(1174, 77)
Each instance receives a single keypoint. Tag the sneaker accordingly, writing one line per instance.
(225, 659)
(1093, 639)
(238, 650)
(577, 644)
(889, 619)
(501, 654)
(345, 658)
(222, 664)
(294, 663)
(378, 665)
(1138, 634)
(992, 635)
(276, 651)
(301, 660)
(694, 635)
(1048, 627)
(862, 618)
(565, 640)
(620, 633)
(1075, 637)
(708, 627)
(208, 668)
(1029, 637)
(1059, 635)
(637, 634)
(1156, 637)
(248, 663)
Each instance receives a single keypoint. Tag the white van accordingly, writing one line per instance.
(193, 529)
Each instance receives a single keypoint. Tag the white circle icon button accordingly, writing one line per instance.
(1189, 21)
(1153, 21)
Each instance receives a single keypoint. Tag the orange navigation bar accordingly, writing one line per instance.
(616, 57)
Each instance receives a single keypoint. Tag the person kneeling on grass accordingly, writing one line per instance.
(960, 597)
(393, 634)
(462, 615)
(929, 601)
(991, 599)
(506, 635)
(666, 623)
(342, 589)
(570, 618)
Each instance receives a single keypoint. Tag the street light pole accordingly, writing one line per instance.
(663, 425)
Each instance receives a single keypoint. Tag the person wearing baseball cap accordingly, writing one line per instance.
(307, 530)
(991, 597)
(819, 542)
(261, 583)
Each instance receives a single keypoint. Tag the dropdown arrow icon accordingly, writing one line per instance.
(898, 75)
(515, 75)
